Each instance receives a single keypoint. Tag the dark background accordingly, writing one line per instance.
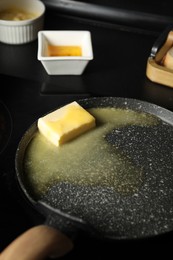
(123, 34)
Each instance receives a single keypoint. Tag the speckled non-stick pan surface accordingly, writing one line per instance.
(136, 201)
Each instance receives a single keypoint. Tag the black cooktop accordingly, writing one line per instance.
(27, 92)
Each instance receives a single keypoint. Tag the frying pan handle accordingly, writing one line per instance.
(38, 243)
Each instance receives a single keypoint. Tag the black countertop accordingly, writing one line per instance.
(118, 69)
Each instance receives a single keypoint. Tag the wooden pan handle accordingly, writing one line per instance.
(38, 243)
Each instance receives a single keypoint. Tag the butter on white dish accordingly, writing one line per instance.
(168, 60)
(65, 123)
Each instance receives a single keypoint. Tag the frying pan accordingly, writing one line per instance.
(105, 211)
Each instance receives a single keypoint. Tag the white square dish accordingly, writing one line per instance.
(66, 64)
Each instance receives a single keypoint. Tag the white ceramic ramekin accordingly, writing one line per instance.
(23, 31)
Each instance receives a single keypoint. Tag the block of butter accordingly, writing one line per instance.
(65, 123)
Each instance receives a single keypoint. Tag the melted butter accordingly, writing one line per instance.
(89, 159)
(54, 50)
(15, 14)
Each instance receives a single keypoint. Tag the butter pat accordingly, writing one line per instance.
(65, 123)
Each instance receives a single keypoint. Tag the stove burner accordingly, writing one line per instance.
(5, 126)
